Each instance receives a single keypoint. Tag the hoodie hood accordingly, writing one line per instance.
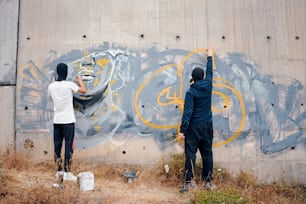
(201, 85)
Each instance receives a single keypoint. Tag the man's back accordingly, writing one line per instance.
(201, 91)
(61, 93)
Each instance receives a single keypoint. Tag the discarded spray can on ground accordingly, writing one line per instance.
(130, 176)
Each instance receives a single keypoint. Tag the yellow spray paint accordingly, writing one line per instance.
(177, 97)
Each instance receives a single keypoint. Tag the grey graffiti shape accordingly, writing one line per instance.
(98, 117)
(273, 104)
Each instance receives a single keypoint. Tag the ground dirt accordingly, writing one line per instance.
(34, 185)
(23, 181)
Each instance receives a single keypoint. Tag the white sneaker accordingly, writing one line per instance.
(59, 175)
(68, 176)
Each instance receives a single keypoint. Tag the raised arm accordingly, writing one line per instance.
(82, 88)
(209, 71)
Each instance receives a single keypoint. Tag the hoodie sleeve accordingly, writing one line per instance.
(209, 72)
(188, 108)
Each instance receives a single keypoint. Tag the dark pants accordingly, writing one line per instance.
(200, 137)
(61, 132)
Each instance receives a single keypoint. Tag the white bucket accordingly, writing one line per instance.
(86, 181)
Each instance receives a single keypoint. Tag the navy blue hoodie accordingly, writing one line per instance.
(197, 106)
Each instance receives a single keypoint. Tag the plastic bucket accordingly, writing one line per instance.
(86, 181)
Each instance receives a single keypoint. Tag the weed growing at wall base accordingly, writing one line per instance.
(243, 188)
(11, 159)
(228, 195)
(23, 181)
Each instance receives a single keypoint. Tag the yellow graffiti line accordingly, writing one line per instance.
(225, 81)
(112, 82)
(31, 68)
(97, 128)
(172, 99)
(181, 65)
(79, 69)
(113, 107)
(243, 115)
(99, 72)
(95, 118)
(86, 55)
(226, 100)
(141, 87)
(116, 94)
(103, 62)
(96, 82)
(105, 93)
(75, 63)
(196, 52)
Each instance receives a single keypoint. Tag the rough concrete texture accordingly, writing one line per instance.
(7, 119)
(8, 58)
(8, 41)
(138, 56)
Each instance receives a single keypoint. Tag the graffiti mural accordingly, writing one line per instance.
(141, 92)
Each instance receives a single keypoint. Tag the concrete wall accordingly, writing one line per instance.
(8, 58)
(140, 54)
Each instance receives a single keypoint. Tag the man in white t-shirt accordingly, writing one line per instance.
(60, 93)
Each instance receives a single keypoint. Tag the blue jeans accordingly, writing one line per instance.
(199, 136)
(61, 132)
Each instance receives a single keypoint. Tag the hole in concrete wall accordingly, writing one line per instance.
(272, 104)
(268, 37)
(28, 38)
(176, 106)
(144, 147)
(293, 148)
(177, 37)
(123, 152)
(84, 36)
(26, 108)
(142, 106)
(141, 35)
(297, 37)
(223, 37)
(45, 152)
(272, 82)
(225, 106)
(302, 104)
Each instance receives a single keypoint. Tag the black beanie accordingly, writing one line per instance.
(197, 74)
(62, 70)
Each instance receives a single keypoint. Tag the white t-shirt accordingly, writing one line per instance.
(61, 94)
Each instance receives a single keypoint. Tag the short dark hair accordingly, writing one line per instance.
(197, 74)
(62, 71)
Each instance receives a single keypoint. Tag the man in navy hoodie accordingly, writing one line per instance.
(197, 125)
